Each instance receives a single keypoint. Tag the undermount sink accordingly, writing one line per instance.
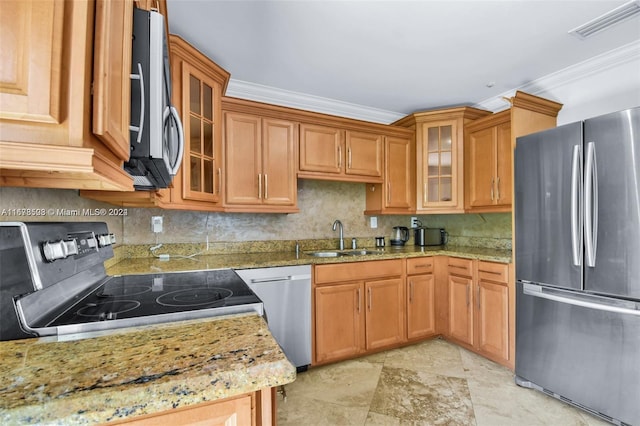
(336, 253)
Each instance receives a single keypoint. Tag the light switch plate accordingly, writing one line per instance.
(373, 222)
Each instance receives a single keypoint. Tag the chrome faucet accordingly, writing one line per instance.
(336, 223)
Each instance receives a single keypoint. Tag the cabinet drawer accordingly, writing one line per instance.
(491, 271)
(356, 271)
(420, 265)
(458, 266)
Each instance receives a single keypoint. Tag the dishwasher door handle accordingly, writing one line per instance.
(277, 279)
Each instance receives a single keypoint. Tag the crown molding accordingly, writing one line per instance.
(539, 87)
(271, 95)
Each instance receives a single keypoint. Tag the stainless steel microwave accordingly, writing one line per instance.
(156, 134)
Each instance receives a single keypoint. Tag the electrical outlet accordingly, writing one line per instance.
(414, 222)
(156, 224)
(373, 222)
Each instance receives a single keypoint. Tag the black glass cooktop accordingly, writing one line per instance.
(134, 296)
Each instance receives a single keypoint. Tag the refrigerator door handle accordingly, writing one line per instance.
(591, 206)
(576, 213)
(538, 291)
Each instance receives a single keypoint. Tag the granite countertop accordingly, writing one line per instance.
(141, 370)
(150, 265)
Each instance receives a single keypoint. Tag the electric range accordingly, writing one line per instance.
(53, 282)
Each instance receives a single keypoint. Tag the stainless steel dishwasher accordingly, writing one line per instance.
(286, 294)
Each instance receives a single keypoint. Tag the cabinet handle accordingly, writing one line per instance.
(219, 181)
(388, 192)
(349, 152)
(478, 295)
(358, 297)
(410, 291)
(491, 189)
(424, 194)
(468, 296)
(426, 265)
(339, 156)
(498, 188)
(370, 300)
(266, 187)
(259, 186)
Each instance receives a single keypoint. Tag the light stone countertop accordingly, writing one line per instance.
(135, 371)
(151, 265)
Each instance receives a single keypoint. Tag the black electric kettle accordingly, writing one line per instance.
(399, 235)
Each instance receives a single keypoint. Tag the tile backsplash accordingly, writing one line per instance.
(320, 203)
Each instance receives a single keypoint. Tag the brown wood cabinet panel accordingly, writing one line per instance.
(481, 166)
(420, 265)
(243, 166)
(364, 154)
(504, 165)
(492, 271)
(399, 173)
(493, 320)
(232, 411)
(112, 67)
(421, 318)
(321, 149)
(339, 321)
(461, 309)
(279, 161)
(385, 313)
(352, 271)
(459, 266)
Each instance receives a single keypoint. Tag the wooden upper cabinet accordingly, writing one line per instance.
(321, 149)
(397, 193)
(488, 164)
(54, 133)
(440, 157)
(364, 154)
(260, 164)
(488, 147)
(112, 67)
(336, 154)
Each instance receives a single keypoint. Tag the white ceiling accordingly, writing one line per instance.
(396, 56)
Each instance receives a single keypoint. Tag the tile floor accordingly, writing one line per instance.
(430, 383)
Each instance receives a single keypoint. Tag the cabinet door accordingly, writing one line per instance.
(321, 149)
(234, 411)
(504, 165)
(461, 309)
(243, 144)
(339, 327)
(112, 67)
(31, 56)
(385, 313)
(493, 319)
(201, 165)
(421, 320)
(278, 160)
(440, 164)
(364, 154)
(398, 173)
(480, 165)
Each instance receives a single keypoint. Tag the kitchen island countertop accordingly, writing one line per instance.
(151, 265)
(141, 370)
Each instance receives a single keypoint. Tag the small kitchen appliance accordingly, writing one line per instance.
(399, 236)
(423, 236)
(54, 282)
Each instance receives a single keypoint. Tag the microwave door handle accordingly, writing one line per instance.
(176, 166)
(139, 128)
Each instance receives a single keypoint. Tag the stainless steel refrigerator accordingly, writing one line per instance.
(577, 236)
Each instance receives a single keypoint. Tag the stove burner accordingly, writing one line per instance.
(107, 310)
(195, 297)
(123, 291)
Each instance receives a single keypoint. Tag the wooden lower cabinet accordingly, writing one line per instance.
(339, 318)
(480, 311)
(359, 307)
(421, 285)
(255, 409)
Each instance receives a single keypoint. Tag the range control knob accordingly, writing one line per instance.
(59, 249)
(106, 240)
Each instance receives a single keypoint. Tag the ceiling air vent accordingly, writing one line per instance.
(609, 19)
